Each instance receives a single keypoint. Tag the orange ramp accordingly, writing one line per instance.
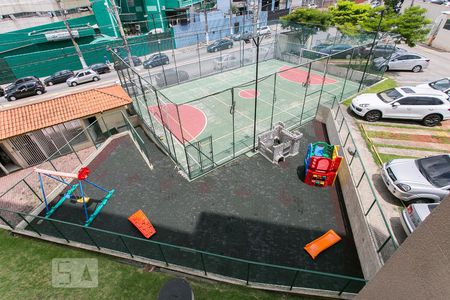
(142, 223)
(322, 243)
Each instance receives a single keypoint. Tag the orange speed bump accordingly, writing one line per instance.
(322, 243)
(142, 223)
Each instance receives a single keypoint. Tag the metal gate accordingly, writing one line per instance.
(200, 157)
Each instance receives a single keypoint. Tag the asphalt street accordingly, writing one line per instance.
(184, 58)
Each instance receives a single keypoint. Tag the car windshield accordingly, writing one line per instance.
(441, 85)
(436, 169)
(389, 95)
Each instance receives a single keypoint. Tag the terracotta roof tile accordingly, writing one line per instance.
(22, 119)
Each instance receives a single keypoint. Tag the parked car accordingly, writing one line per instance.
(22, 80)
(156, 60)
(100, 68)
(442, 85)
(119, 65)
(414, 214)
(263, 31)
(381, 50)
(321, 46)
(440, 2)
(423, 180)
(242, 36)
(312, 5)
(402, 62)
(410, 103)
(339, 51)
(220, 45)
(2, 92)
(169, 77)
(25, 89)
(133, 89)
(225, 61)
(83, 76)
(58, 77)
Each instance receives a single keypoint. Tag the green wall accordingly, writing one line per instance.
(45, 63)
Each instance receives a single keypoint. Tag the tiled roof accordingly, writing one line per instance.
(22, 119)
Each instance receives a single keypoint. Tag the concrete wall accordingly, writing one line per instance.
(420, 268)
(440, 36)
(368, 256)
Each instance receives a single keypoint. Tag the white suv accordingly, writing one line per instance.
(83, 76)
(264, 30)
(410, 103)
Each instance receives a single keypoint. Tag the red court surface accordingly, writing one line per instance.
(192, 118)
(300, 76)
(248, 94)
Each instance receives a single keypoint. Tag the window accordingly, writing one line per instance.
(81, 74)
(88, 73)
(389, 95)
(436, 169)
(408, 101)
(436, 101)
(424, 100)
(441, 85)
(414, 57)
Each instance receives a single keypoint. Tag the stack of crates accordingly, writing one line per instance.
(321, 164)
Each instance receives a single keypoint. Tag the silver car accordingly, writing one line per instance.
(402, 62)
(442, 85)
(414, 214)
(83, 76)
(421, 180)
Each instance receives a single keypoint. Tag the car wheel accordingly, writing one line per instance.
(38, 92)
(215, 49)
(373, 116)
(431, 120)
(229, 46)
(417, 69)
(96, 78)
(49, 83)
(12, 98)
(73, 84)
(348, 56)
(167, 62)
(384, 69)
(422, 200)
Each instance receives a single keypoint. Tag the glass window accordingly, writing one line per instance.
(408, 101)
(389, 95)
(436, 169)
(441, 85)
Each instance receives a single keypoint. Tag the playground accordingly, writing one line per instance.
(221, 108)
(247, 209)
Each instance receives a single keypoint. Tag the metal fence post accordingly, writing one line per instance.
(384, 244)
(31, 226)
(346, 139)
(248, 273)
(37, 196)
(370, 208)
(128, 249)
(203, 263)
(162, 254)
(6, 222)
(59, 231)
(293, 280)
(360, 179)
(91, 238)
(345, 286)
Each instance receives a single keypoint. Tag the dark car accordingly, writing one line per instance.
(20, 81)
(381, 50)
(220, 45)
(119, 65)
(100, 68)
(134, 89)
(2, 92)
(170, 77)
(58, 77)
(242, 36)
(339, 51)
(25, 89)
(321, 46)
(156, 60)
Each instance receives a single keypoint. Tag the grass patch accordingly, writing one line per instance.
(409, 127)
(388, 157)
(383, 85)
(406, 147)
(409, 137)
(25, 273)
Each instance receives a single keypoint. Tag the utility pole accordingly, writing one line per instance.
(206, 22)
(122, 33)
(75, 45)
(231, 18)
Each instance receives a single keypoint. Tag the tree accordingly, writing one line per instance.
(306, 22)
(412, 25)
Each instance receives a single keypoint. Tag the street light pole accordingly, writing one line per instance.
(206, 22)
(75, 45)
(122, 32)
(231, 18)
